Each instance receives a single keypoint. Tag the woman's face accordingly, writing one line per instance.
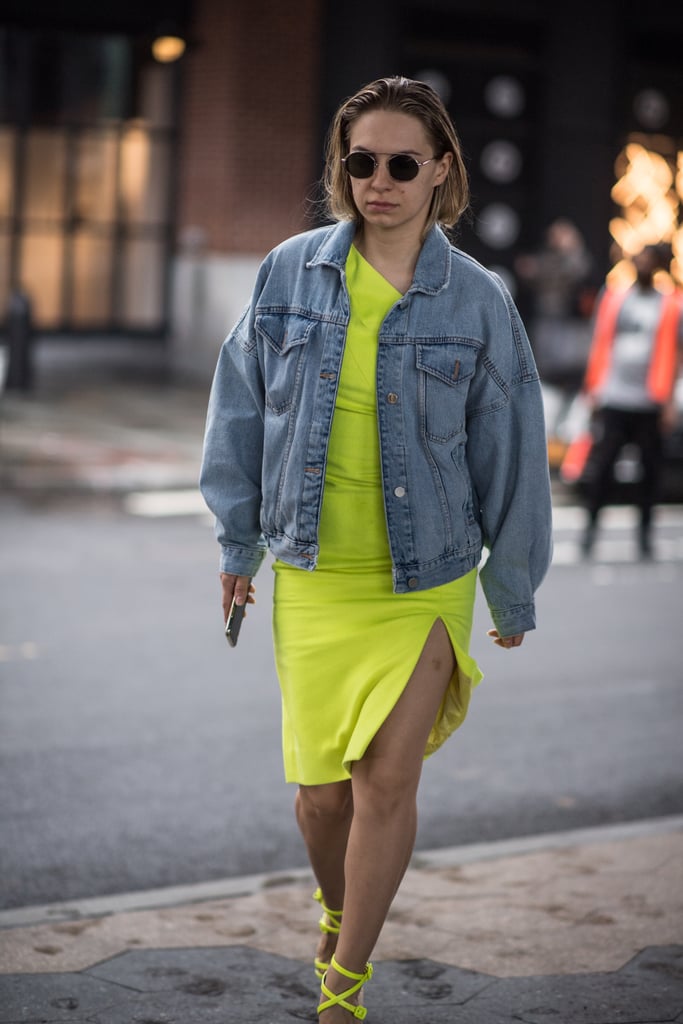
(383, 202)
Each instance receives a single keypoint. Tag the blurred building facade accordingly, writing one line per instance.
(137, 196)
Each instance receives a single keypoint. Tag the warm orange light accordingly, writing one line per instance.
(622, 275)
(677, 248)
(166, 49)
(649, 190)
(644, 175)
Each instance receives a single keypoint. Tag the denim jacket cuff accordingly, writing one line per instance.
(511, 621)
(240, 561)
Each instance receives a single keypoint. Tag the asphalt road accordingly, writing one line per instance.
(137, 750)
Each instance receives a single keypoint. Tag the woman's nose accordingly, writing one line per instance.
(381, 177)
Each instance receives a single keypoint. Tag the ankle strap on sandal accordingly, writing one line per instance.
(340, 999)
(330, 921)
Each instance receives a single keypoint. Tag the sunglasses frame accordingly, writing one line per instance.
(391, 156)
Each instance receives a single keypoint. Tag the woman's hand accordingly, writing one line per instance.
(505, 641)
(238, 587)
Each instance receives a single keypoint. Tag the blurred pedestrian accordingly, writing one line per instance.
(630, 380)
(375, 418)
(558, 278)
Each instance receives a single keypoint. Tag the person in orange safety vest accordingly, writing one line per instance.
(630, 381)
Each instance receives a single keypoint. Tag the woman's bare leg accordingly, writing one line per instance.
(382, 833)
(324, 816)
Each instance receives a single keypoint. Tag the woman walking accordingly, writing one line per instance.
(376, 420)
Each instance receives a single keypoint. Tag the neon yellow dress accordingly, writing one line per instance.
(345, 643)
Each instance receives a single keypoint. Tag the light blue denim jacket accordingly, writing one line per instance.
(460, 419)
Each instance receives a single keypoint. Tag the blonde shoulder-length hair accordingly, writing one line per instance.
(406, 96)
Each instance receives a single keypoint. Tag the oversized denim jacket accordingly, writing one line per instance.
(460, 419)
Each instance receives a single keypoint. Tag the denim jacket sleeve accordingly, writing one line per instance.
(508, 460)
(230, 478)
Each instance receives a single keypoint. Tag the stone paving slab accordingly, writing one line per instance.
(585, 907)
(240, 985)
(53, 998)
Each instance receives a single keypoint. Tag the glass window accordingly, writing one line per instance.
(155, 95)
(143, 283)
(95, 177)
(4, 272)
(96, 75)
(6, 171)
(45, 94)
(93, 258)
(79, 78)
(144, 177)
(41, 274)
(5, 76)
(45, 181)
(86, 145)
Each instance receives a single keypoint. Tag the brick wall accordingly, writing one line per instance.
(249, 146)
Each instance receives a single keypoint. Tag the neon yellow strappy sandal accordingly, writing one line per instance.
(359, 1012)
(330, 923)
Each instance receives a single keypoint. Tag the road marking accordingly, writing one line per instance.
(617, 537)
(616, 517)
(158, 504)
(26, 651)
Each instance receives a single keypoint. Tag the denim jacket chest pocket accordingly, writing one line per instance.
(445, 369)
(285, 336)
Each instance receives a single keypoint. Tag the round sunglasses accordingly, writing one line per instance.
(401, 166)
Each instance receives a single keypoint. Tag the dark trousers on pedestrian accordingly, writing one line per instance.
(612, 429)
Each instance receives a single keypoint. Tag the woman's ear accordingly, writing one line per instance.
(443, 168)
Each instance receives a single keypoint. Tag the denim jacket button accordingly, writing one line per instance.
(412, 582)
(392, 398)
(400, 492)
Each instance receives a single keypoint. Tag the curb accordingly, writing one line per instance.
(248, 885)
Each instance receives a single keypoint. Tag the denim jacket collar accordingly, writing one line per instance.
(433, 270)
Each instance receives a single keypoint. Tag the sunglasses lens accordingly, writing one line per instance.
(403, 168)
(360, 165)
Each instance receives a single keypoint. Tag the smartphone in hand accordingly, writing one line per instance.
(234, 623)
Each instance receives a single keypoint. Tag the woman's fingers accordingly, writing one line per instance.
(238, 587)
(506, 641)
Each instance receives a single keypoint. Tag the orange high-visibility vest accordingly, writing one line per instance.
(661, 376)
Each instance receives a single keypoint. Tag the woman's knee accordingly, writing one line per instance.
(383, 786)
(331, 801)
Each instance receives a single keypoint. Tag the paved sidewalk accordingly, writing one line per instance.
(578, 928)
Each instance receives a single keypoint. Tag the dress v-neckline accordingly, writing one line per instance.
(377, 273)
